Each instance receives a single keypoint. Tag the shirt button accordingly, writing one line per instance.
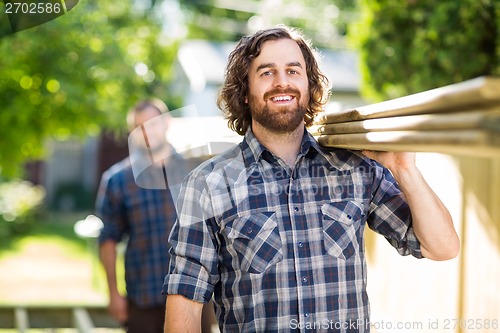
(296, 209)
(306, 314)
(349, 217)
(304, 279)
(249, 231)
(301, 244)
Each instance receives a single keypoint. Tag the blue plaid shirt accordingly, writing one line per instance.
(146, 216)
(281, 249)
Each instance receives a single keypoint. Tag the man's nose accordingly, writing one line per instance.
(281, 80)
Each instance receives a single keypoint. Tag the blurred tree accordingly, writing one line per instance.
(408, 46)
(79, 73)
(19, 201)
(323, 21)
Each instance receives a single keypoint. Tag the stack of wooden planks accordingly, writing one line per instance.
(462, 118)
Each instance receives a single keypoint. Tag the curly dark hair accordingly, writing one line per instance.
(231, 99)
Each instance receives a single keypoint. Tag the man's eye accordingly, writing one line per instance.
(267, 73)
(293, 71)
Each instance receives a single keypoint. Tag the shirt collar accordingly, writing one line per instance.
(254, 150)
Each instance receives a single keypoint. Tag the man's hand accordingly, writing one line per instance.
(431, 220)
(392, 160)
(118, 308)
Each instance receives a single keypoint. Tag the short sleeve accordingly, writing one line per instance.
(108, 209)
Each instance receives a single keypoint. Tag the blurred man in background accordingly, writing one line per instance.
(144, 215)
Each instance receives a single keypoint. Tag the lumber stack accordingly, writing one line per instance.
(462, 118)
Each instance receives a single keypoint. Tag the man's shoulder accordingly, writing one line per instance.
(226, 165)
(119, 169)
(337, 158)
(221, 161)
(344, 158)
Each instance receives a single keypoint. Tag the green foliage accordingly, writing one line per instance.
(18, 203)
(76, 74)
(323, 21)
(204, 20)
(412, 46)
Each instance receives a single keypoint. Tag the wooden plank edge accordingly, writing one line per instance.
(464, 150)
(481, 91)
(21, 319)
(82, 320)
(488, 119)
(474, 143)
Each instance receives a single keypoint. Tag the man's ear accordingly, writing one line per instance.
(246, 100)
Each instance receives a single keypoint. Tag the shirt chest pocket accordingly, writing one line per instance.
(341, 228)
(255, 241)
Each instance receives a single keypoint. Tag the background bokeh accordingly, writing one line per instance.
(66, 85)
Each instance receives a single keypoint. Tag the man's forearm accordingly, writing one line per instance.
(432, 221)
(182, 315)
(107, 254)
(117, 303)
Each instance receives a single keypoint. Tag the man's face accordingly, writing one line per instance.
(154, 131)
(278, 89)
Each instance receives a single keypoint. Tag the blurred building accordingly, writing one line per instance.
(71, 173)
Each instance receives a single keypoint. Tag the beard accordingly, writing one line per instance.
(282, 120)
(145, 143)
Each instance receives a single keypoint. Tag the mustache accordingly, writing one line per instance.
(289, 91)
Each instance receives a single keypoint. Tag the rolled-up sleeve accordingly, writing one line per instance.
(193, 270)
(108, 209)
(390, 214)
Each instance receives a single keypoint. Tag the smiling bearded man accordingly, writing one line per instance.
(273, 229)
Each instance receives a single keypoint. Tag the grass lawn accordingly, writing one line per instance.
(52, 265)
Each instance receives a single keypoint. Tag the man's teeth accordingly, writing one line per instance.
(282, 98)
